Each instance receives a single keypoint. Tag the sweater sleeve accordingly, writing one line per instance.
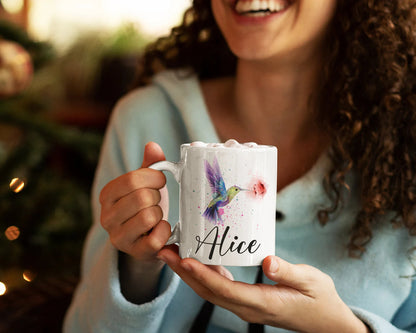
(98, 305)
(403, 321)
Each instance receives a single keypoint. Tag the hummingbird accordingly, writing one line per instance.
(221, 196)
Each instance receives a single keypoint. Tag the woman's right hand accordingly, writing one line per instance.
(133, 207)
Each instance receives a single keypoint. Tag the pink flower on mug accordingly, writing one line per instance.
(258, 188)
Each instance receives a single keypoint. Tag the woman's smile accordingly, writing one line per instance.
(256, 8)
(257, 11)
(266, 29)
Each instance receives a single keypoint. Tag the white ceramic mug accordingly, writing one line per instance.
(227, 202)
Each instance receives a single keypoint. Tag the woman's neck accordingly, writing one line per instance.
(275, 108)
(278, 106)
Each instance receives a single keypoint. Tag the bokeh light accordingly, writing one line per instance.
(3, 288)
(12, 233)
(12, 6)
(28, 276)
(16, 185)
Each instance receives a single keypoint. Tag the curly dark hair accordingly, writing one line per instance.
(369, 109)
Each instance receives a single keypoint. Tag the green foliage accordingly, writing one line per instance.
(79, 69)
(52, 211)
(127, 40)
(57, 163)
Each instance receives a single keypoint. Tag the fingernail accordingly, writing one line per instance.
(186, 266)
(274, 265)
(161, 257)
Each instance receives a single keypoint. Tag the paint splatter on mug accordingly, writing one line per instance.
(227, 202)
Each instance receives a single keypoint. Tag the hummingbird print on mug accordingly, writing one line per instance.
(221, 196)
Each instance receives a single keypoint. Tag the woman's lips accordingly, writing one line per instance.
(260, 7)
(258, 11)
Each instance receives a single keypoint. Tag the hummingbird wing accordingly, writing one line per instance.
(213, 214)
(215, 179)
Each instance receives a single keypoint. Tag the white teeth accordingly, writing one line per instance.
(258, 14)
(257, 7)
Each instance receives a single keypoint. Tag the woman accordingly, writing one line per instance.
(331, 84)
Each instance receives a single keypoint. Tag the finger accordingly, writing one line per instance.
(220, 298)
(173, 247)
(300, 277)
(171, 257)
(130, 182)
(222, 287)
(124, 235)
(152, 153)
(128, 206)
(223, 271)
(149, 245)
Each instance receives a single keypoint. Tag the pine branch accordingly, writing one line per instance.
(86, 143)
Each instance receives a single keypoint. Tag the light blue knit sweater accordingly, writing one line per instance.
(171, 112)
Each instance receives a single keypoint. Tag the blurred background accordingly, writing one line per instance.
(63, 65)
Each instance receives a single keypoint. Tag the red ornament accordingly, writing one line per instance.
(16, 68)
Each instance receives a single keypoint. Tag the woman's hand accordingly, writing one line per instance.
(131, 209)
(304, 298)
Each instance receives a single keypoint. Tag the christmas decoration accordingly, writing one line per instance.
(16, 68)
(41, 53)
(48, 153)
(46, 170)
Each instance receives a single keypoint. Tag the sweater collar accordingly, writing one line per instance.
(183, 89)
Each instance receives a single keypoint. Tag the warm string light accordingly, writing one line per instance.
(12, 233)
(28, 276)
(3, 288)
(17, 185)
(12, 6)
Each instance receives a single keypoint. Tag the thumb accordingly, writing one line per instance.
(152, 153)
(300, 277)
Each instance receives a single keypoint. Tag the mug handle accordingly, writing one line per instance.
(176, 170)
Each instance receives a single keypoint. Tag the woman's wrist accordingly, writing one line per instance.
(362, 327)
(341, 319)
(355, 324)
(139, 280)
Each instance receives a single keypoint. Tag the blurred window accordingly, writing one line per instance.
(61, 21)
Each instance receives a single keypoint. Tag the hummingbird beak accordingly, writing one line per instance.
(244, 189)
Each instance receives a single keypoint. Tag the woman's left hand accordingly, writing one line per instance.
(304, 298)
